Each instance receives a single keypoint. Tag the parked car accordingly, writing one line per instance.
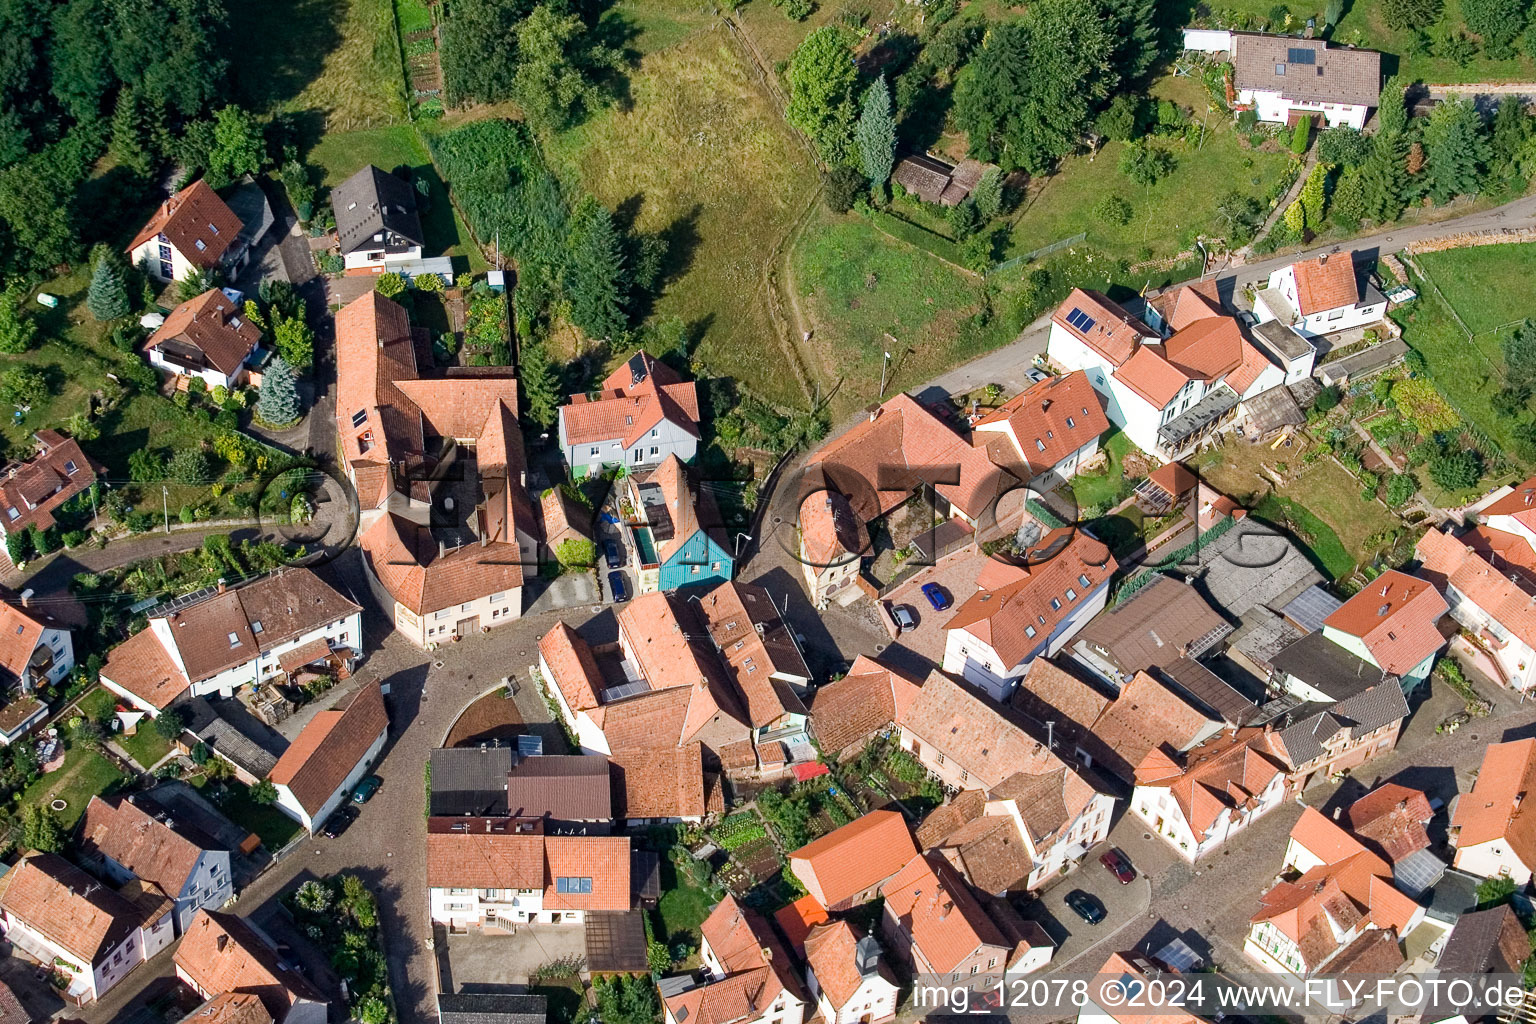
(1086, 906)
(1035, 374)
(616, 584)
(936, 596)
(339, 820)
(363, 791)
(611, 552)
(905, 620)
(1118, 865)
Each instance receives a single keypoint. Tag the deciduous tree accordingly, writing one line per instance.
(558, 68)
(821, 78)
(40, 829)
(17, 329)
(238, 149)
(479, 55)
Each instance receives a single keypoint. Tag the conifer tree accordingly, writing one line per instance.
(278, 401)
(541, 384)
(107, 297)
(875, 133)
(1314, 196)
(595, 275)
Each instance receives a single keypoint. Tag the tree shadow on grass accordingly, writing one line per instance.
(282, 47)
(615, 31)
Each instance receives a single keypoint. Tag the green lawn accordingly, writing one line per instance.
(681, 908)
(273, 826)
(1107, 488)
(84, 774)
(146, 746)
(335, 64)
(700, 155)
(342, 154)
(1314, 534)
(1467, 373)
(1165, 217)
(1489, 285)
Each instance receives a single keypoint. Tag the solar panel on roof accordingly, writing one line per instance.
(1079, 320)
(1300, 55)
(530, 746)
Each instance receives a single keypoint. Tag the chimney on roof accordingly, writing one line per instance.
(221, 942)
(945, 908)
(223, 586)
(874, 413)
(26, 598)
(1336, 812)
(1322, 260)
(767, 955)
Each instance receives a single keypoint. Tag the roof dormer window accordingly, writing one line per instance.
(1071, 425)
(70, 468)
(256, 627)
(1039, 444)
(234, 640)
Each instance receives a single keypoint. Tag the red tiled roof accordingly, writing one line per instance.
(851, 859)
(830, 533)
(19, 635)
(1119, 965)
(1519, 504)
(1014, 600)
(154, 851)
(1394, 818)
(756, 647)
(1050, 420)
(377, 423)
(1174, 478)
(213, 325)
(1220, 776)
(573, 666)
(1149, 373)
(1395, 617)
(626, 409)
(936, 908)
(1324, 839)
(1324, 283)
(1114, 334)
(141, 666)
(1446, 560)
(230, 1008)
(221, 953)
(197, 222)
(1494, 809)
(798, 918)
(1207, 349)
(69, 907)
(870, 697)
(1506, 552)
(831, 951)
(36, 487)
(411, 566)
(330, 745)
(1183, 305)
(660, 782)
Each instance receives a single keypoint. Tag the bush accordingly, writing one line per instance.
(1457, 470)
(842, 187)
(1326, 399)
(1114, 209)
(1302, 136)
(390, 285)
(264, 793)
(170, 724)
(1400, 489)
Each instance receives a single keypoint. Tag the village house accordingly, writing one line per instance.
(833, 543)
(32, 490)
(330, 756)
(498, 873)
(849, 712)
(1492, 827)
(643, 413)
(378, 228)
(749, 976)
(1497, 607)
(195, 231)
(1171, 377)
(845, 977)
(223, 953)
(1057, 813)
(675, 531)
(447, 527)
(934, 924)
(1320, 296)
(1509, 526)
(1131, 972)
(222, 639)
(565, 518)
(470, 781)
(1484, 943)
(1156, 626)
(763, 661)
(1025, 608)
(1283, 78)
(208, 338)
(571, 794)
(846, 867)
(1392, 624)
(1114, 734)
(1392, 821)
(1046, 431)
(35, 650)
(1323, 919)
(936, 181)
(230, 1008)
(1197, 801)
(234, 734)
(92, 934)
(125, 842)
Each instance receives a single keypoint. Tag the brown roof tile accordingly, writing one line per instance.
(230, 1008)
(831, 951)
(417, 573)
(1494, 809)
(573, 666)
(627, 408)
(141, 666)
(222, 953)
(211, 324)
(1335, 74)
(197, 222)
(869, 698)
(330, 745)
(1050, 420)
(659, 782)
(936, 908)
(1114, 333)
(1446, 560)
(1162, 623)
(74, 910)
(756, 648)
(1325, 283)
(153, 850)
(36, 487)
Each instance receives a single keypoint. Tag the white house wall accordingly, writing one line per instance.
(666, 438)
(376, 261)
(1271, 106)
(289, 804)
(1491, 859)
(1516, 657)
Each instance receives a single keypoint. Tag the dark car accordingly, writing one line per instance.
(339, 821)
(1086, 906)
(364, 790)
(611, 552)
(1119, 865)
(616, 584)
(935, 596)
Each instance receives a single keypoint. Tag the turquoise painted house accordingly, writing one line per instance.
(676, 536)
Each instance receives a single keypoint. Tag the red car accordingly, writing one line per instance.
(1118, 865)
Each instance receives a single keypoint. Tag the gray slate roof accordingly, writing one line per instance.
(470, 780)
(228, 728)
(490, 1008)
(372, 201)
(1252, 564)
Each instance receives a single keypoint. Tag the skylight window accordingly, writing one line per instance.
(256, 627)
(234, 640)
(199, 244)
(360, 417)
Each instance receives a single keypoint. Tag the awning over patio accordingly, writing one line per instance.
(305, 654)
(1217, 402)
